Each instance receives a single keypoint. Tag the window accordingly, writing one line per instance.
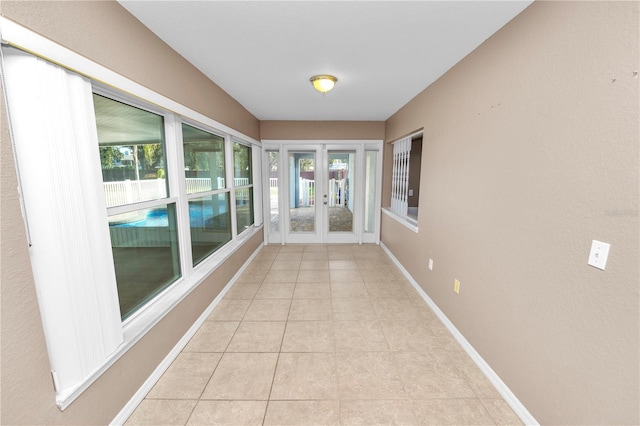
(204, 166)
(273, 157)
(243, 182)
(145, 254)
(371, 165)
(209, 210)
(405, 184)
(142, 225)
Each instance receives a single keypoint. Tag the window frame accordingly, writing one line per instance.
(184, 207)
(174, 157)
(173, 183)
(211, 131)
(400, 183)
(250, 186)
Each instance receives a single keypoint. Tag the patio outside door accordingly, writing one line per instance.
(302, 209)
(322, 193)
(340, 206)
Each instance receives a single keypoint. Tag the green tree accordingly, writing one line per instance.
(109, 156)
(306, 164)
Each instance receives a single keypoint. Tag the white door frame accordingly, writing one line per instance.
(321, 234)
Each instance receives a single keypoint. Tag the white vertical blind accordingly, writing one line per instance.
(56, 144)
(400, 176)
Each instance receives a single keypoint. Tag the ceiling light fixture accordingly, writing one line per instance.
(323, 83)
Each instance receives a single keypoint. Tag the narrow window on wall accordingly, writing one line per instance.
(405, 185)
(272, 170)
(142, 216)
(371, 162)
(207, 192)
(243, 182)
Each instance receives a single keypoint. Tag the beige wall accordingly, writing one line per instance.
(322, 130)
(530, 152)
(106, 33)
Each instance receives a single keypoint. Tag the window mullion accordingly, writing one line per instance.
(111, 211)
(177, 188)
(256, 157)
(230, 184)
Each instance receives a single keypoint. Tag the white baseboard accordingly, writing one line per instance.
(515, 404)
(138, 397)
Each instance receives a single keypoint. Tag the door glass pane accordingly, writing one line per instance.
(340, 187)
(272, 165)
(371, 162)
(302, 192)
(145, 254)
(203, 160)
(210, 223)
(131, 143)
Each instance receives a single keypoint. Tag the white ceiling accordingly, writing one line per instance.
(383, 53)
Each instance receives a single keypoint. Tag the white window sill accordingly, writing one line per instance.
(406, 221)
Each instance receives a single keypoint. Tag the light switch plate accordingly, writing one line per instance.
(431, 264)
(598, 254)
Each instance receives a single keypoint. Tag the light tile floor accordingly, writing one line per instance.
(323, 335)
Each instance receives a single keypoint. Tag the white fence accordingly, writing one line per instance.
(307, 192)
(135, 191)
(198, 185)
(337, 192)
(236, 181)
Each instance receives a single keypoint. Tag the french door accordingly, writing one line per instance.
(323, 192)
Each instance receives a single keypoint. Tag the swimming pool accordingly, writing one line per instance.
(200, 215)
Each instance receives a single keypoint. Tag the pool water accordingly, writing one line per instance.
(199, 215)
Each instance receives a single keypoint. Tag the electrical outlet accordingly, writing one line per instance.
(598, 254)
(456, 286)
(431, 264)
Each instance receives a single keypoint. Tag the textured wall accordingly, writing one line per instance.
(106, 33)
(530, 152)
